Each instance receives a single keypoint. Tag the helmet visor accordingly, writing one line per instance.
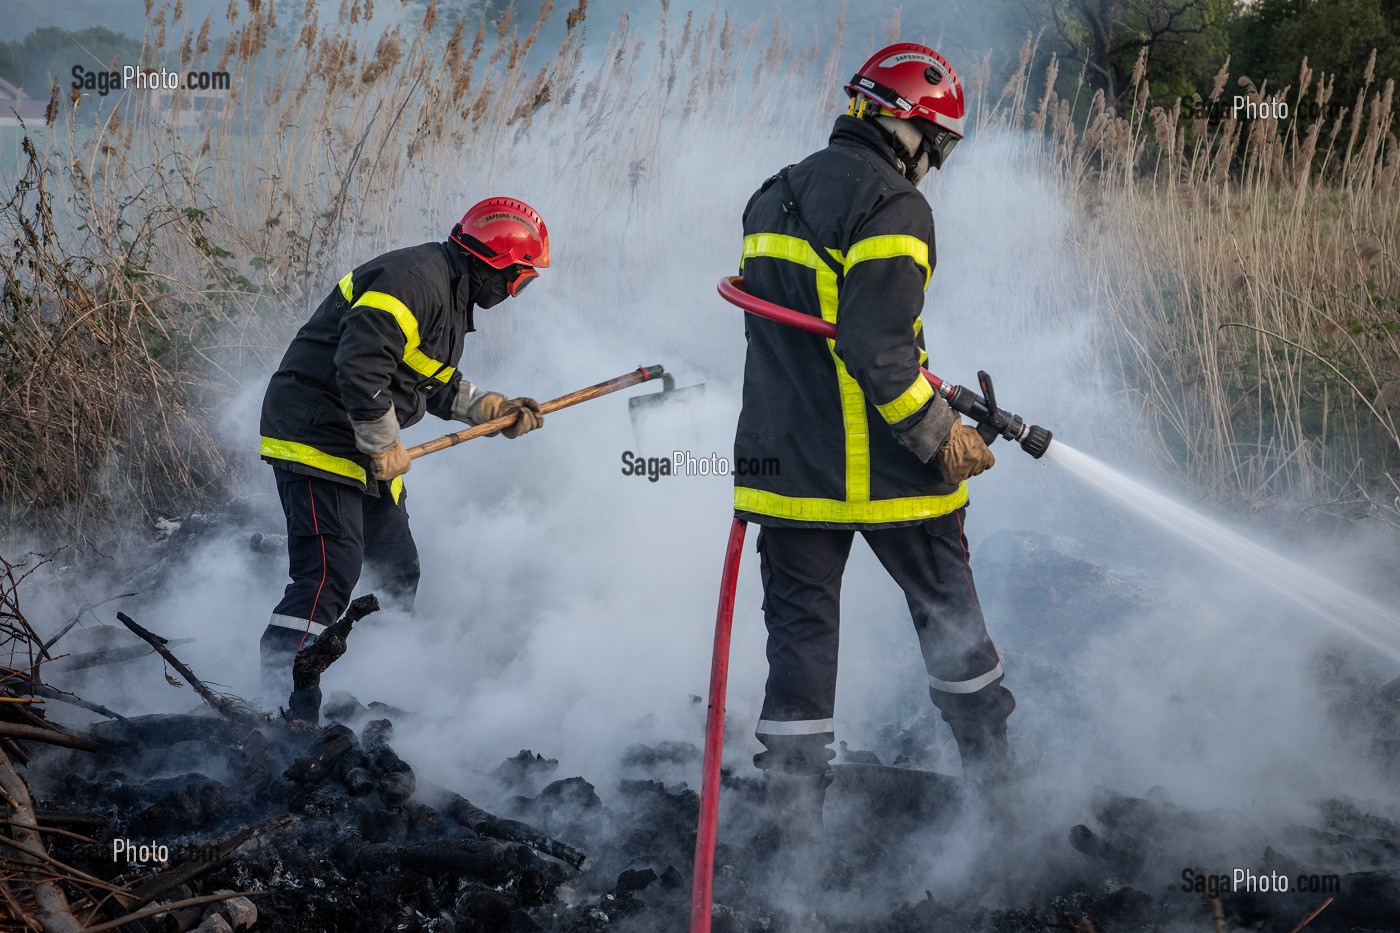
(940, 144)
(518, 276)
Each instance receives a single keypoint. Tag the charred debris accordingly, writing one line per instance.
(305, 818)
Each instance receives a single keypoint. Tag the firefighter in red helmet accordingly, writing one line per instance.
(864, 443)
(380, 351)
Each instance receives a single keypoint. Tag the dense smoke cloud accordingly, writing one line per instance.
(568, 608)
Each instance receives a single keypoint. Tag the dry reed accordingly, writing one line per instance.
(1245, 274)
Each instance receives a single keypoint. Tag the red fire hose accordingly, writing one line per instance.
(992, 421)
(703, 880)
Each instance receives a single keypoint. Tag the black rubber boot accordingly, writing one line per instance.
(792, 822)
(985, 751)
(278, 648)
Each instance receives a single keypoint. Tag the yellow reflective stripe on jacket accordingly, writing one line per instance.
(310, 456)
(852, 400)
(891, 246)
(416, 359)
(798, 250)
(909, 401)
(781, 246)
(913, 508)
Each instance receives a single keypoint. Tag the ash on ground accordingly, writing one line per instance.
(334, 831)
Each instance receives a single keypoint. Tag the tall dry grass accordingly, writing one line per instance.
(154, 262)
(1244, 274)
(1247, 276)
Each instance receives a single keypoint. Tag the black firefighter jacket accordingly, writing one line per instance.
(818, 441)
(389, 333)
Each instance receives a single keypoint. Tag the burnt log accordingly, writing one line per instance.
(477, 859)
(355, 773)
(481, 859)
(195, 806)
(486, 824)
(396, 787)
(312, 662)
(396, 779)
(482, 909)
(322, 763)
(525, 768)
(1127, 862)
(161, 730)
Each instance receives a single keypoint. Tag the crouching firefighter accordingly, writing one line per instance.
(863, 442)
(378, 352)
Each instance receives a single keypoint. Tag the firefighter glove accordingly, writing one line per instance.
(380, 440)
(964, 454)
(527, 413)
(390, 463)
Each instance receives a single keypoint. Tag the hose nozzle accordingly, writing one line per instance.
(994, 422)
(1037, 441)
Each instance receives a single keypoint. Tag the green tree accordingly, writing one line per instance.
(1269, 40)
(48, 55)
(9, 63)
(1185, 40)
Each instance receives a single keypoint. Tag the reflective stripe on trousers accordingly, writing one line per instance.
(295, 624)
(795, 727)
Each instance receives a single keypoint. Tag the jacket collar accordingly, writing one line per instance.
(864, 134)
(459, 269)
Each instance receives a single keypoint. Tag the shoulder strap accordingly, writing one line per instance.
(790, 207)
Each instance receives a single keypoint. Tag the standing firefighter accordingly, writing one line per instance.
(863, 442)
(381, 349)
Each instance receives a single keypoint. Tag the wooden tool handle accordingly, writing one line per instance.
(639, 375)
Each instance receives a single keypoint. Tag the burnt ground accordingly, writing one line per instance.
(341, 836)
(337, 832)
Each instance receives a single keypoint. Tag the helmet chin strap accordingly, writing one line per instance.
(909, 147)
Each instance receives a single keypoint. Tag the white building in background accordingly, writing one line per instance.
(16, 105)
(184, 107)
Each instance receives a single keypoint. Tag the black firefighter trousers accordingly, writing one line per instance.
(333, 530)
(801, 571)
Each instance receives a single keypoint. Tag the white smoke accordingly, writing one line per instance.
(569, 609)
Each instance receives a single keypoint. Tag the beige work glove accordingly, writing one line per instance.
(494, 405)
(387, 464)
(964, 454)
(379, 440)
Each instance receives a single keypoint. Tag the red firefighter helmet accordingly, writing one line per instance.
(505, 233)
(913, 81)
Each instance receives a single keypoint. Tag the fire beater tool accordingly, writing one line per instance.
(639, 375)
(638, 406)
(992, 422)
